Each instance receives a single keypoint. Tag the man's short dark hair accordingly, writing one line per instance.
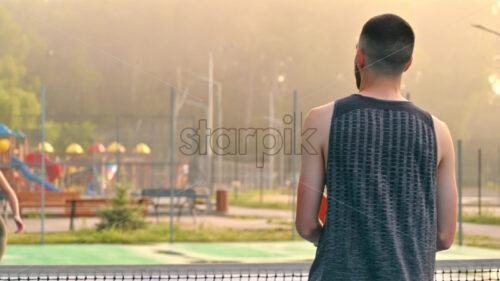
(387, 41)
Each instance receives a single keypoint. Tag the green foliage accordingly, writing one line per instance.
(482, 241)
(60, 135)
(17, 96)
(157, 233)
(121, 215)
(252, 199)
(485, 218)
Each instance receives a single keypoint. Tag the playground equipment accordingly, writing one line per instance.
(4, 130)
(92, 173)
(18, 164)
(76, 170)
(22, 144)
(9, 162)
(115, 147)
(52, 169)
(74, 149)
(7, 140)
(4, 145)
(142, 148)
(97, 147)
(47, 147)
(98, 182)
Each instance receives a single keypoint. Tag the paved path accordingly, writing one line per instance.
(259, 220)
(264, 213)
(481, 229)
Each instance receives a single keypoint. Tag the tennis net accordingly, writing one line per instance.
(445, 270)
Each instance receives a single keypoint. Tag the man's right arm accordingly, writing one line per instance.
(13, 202)
(446, 188)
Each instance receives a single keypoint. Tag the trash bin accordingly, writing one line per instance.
(221, 200)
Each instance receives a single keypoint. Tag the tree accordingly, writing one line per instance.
(19, 106)
(121, 215)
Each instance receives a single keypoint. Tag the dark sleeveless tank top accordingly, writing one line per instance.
(381, 184)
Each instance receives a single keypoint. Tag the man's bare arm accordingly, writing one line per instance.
(12, 199)
(446, 189)
(311, 183)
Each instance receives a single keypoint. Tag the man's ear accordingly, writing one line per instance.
(361, 62)
(409, 64)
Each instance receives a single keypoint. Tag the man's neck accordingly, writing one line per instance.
(388, 89)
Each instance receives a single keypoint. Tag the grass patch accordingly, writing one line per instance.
(492, 185)
(34, 215)
(259, 205)
(485, 218)
(155, 233)
(481, 241)
(252, 199)
(238, 217)
(279, 221)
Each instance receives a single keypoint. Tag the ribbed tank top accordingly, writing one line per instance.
(381, 184)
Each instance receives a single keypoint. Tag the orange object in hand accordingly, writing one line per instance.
(322, 209)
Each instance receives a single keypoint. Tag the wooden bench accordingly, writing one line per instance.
(28, 199)
(189, 194)
(86, 207)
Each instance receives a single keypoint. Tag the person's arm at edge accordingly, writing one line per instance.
(311, 183)
(13, 202)
(446, 201)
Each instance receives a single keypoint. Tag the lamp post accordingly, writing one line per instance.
(218, 84)
(211, 83)
(280, 79)
(210, 115)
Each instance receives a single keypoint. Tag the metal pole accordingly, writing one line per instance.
(271, 126)
(498, 172)
(236, 176)
(294, 160)
(261, 185)
(118, 156)
(479, 174)
(459, 184)
(497, 184)
(42, 211)
(153, 151)
(219, 125)
(172, 158)
(210, 117)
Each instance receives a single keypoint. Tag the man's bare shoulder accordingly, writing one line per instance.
(443, 138)
(321, 113)
(440, 127)
(437, 121)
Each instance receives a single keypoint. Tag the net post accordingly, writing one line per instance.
(152, 158)
(42, 191)
(172, 157)
(118, 148)
(479, 174)
(459, 185)
(294, 160)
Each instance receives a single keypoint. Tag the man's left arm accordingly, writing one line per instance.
(311, 183)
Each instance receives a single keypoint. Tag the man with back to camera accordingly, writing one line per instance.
(389, 170)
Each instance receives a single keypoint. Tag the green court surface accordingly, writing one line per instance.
(164, 253)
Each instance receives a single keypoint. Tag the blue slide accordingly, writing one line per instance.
(18, 164)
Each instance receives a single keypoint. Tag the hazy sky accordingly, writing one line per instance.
(119, 55)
